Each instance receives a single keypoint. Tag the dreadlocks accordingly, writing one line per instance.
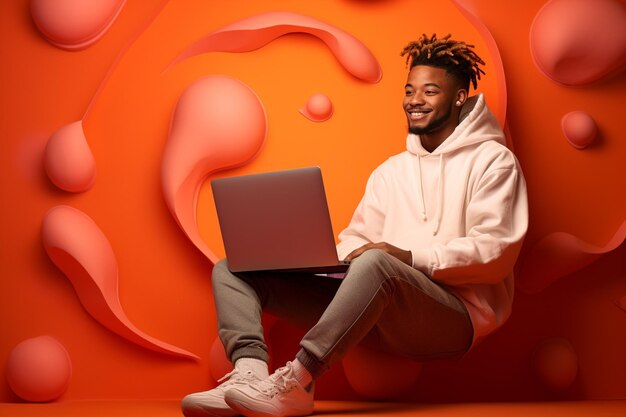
(456, 57)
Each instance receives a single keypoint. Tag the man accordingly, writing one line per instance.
(432, 243)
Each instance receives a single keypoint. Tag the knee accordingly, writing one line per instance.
(372, 258)
(220, 272)
(371, 265)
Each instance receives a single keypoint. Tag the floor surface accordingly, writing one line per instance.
(329, 409)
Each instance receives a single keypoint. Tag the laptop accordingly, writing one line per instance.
(277, 221)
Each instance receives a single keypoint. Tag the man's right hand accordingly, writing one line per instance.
(403, 255)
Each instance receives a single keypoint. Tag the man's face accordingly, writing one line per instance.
(429, 97)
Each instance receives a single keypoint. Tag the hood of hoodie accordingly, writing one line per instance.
(476, 124)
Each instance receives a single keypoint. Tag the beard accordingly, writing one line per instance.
(431, 127)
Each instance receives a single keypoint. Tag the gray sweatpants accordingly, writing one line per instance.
(381, 301)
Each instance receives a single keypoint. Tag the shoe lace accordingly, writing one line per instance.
(235, 376)
(279, 381)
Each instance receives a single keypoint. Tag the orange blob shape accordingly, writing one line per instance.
(256, 31)
(68, 160)
(560, 254)
(578, 42)
(318, 108)
(74, 24)
(579, 129)
(555, 363)
(218, 123)
(366, 371)
(78, 247)
(39, 369)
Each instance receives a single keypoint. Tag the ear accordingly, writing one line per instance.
(461, 97)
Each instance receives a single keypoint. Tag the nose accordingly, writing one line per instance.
(415, 99)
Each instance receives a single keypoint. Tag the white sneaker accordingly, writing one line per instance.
(278, 395)
(211, 403)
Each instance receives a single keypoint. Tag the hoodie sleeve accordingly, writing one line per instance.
(368, 218)
(496, 222)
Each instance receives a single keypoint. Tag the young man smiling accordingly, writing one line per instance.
(430, 98)
(432, 243)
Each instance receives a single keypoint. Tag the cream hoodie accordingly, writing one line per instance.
(461, 211)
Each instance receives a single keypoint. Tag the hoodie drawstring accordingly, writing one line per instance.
(419, 178)
(421, 201)
(439, 196)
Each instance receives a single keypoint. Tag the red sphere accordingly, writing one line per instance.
(39, 369)
(555, 363)
(579, 129)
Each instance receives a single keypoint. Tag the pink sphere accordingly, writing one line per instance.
(39, 369)
(575, 42)
(579, 129)
(555, 363)
(74, 24)
(318, 108)
(68, 160)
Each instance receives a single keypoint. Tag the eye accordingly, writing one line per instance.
(408, 92)
(431, 92)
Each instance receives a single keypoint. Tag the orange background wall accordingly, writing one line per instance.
(119, 86)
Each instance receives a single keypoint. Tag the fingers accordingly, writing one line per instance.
(403, 255)
(354, 254)
(358, 252)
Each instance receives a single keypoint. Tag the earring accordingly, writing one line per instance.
(458, 103)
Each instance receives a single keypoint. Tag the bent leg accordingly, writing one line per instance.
(399, 308)
(241, 298)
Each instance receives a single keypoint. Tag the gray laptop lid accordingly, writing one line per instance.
(276, 221)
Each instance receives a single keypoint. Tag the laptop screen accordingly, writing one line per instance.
(275, 220)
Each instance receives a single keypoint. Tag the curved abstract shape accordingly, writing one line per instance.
(578, 42)
(468, 9)
(579, 129)
(560, 254)
(555, 362)
(78, 247)
(257, 31)
(218, 123)
(68, 160)
(318, 108)
(39, 369)
(74, 24)
(150, 17)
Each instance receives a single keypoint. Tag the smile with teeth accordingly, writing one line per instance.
(417, 115)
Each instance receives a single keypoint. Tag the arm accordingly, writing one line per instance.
(496, 222)
(366, 224)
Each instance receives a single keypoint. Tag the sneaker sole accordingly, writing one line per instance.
(196, 411)
(247, 412)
